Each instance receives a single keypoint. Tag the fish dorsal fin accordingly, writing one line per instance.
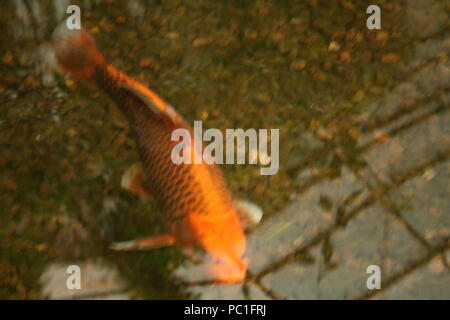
(152, 100)
(249, 212)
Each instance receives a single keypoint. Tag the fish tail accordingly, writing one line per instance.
(76, 52)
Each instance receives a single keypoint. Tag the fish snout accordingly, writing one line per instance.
(228, 269)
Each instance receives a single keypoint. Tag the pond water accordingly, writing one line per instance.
(364, 146)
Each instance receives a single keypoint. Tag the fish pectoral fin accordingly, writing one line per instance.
(152, 100)
(133, 181)
(155, 242)
(249, 212)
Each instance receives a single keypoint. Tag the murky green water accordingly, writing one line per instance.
(310, 68)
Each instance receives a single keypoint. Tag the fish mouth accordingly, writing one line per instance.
(228, 270)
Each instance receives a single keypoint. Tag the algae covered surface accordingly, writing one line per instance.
(311, 69)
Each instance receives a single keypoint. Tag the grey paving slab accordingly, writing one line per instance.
(425, 203)
(301, 221)
(296, 280)
(97, 281)
(372, 238)
(431, 281)
(411, 147)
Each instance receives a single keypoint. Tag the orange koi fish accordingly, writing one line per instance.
(193, 199)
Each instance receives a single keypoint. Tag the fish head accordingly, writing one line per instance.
(224, 241)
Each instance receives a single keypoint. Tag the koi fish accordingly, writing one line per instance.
(193, 199)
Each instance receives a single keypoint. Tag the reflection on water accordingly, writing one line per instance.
(364, 146)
